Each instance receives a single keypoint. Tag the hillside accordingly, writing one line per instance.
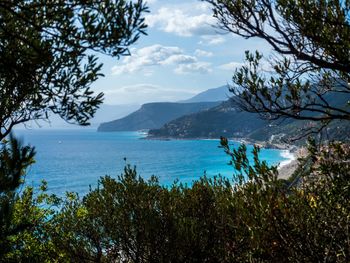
(222, 120)
(154, 115)
(276, 132)
(226, 120)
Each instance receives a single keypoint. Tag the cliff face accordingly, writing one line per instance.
(154, 115)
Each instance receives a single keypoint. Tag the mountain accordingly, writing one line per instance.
(154, 115)
(288, 130)
(217, 94)
(221, 120)
(111, 112)
(226, 120)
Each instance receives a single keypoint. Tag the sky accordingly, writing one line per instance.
(183, 54)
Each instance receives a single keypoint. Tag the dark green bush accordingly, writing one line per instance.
(253, 218)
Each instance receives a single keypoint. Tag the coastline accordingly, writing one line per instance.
(287, 168)
(290, 152)
(261, 144)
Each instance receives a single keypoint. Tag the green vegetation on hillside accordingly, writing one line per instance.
(154, 115)
(222, 120)
(228, 120)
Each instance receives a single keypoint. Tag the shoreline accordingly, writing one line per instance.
(261, 144)
(290, 152)
(286, 170)
(290, 157)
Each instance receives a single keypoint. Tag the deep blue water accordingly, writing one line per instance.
(71, 160)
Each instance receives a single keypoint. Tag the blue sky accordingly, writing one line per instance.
(182, 55)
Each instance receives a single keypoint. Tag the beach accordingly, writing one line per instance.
(288, 167)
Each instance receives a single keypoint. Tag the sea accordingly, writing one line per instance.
(74, 160)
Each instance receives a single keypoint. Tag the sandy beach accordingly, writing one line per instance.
(287, 168)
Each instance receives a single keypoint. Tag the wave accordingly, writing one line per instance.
(288, 155)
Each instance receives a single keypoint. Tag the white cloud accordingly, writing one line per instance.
(157, 55)
(198, 67)
(203, 53)
(179, 59)
(145, 57)
(182, 22)
(231, 66)
(212, 40)
(264, 66)
(145, 93)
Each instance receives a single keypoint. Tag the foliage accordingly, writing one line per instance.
(138, 221)
(255, 218)
(47, 65)
(310, 64)
(303, 222)
(47, 55)
(33, 212)
(14, 159)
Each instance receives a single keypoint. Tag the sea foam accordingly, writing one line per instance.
(288, 155)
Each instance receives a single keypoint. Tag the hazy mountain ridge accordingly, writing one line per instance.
(154, 115)
(217, 94)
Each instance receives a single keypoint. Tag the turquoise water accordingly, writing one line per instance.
(72, 160)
